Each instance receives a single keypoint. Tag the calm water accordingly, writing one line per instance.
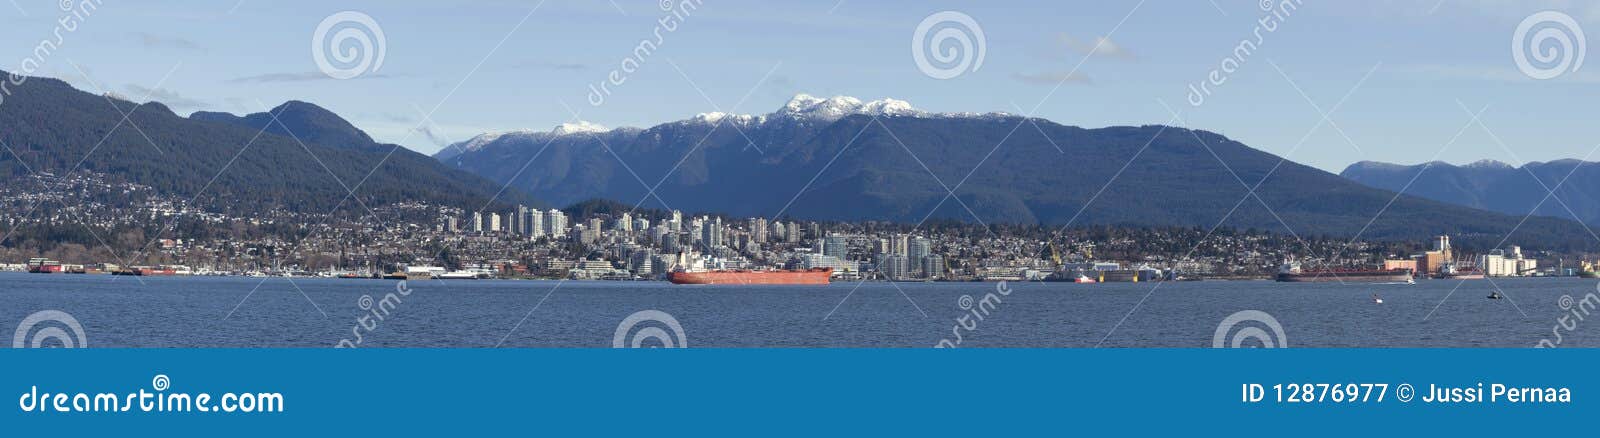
(250, 312)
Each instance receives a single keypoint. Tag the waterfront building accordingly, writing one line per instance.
(836, 246)
(895, 267)
(919, 248)
(933, 266)
(840, 267)
(1499, 264)
(1432, 262)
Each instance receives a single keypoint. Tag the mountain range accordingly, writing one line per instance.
(837, 158)
(1495, 186)
(844, 159)
(300, 160)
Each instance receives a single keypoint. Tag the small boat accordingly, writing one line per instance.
(1495, 295)
(1084, 279)
(1376, 299)
(395, 276)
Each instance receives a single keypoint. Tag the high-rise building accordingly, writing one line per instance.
(534, 223)
(758, 229)
(899, 244)
(625, 223)
(477, 222)
(920, 248)
(594, 224)
(555, 223)
(794, 232)
(640, 262)
(836, 246)
(713, 233)
(933, 266)
(641, 225)
(452, 224)
(677, 221)
(519, 221)
(494, 222)
(895, 267)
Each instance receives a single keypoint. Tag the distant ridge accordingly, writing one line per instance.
(1495, 186)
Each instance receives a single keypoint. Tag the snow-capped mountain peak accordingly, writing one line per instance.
(808, 107)
(581, 127)
(1489, 164)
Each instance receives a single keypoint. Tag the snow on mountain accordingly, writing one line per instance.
(801, 108)
(486, 139)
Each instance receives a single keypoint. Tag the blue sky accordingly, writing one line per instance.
(490, 65)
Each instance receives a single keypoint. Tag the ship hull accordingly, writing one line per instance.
(812, 277)
(1395, 276)
(1589, 274)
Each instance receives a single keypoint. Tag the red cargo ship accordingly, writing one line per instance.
(818, 276)
(44, 266)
